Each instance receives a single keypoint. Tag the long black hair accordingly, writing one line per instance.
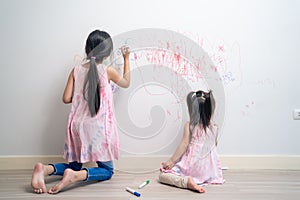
(201, 106)
(98, 46)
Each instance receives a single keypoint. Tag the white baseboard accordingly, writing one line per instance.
(134, 164)
(284, 162)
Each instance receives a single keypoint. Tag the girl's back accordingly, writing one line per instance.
(201, 160)
(91, 136)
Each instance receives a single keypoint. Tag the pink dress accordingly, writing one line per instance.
(91, 139)
(201, 161)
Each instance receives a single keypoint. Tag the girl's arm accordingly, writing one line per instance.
(68, 93)
(180, 149)
(114, 76)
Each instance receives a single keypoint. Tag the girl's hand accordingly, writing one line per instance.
(168, 165)
(125, 52)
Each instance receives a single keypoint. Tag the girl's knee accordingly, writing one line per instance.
(110, 175)
(162, 177)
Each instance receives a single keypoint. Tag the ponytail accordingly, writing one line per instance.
(91, 88)
(98, 46)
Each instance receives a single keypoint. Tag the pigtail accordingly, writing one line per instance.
(212, 102)
(193, 108)
(201, 106)
(206, 105)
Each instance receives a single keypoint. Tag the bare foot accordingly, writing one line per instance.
(37, 181)
(193, 186)
(69, 178)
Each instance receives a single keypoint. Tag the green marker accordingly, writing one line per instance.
(144, 184)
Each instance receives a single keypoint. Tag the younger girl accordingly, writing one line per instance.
(195, 160)
(92, 132)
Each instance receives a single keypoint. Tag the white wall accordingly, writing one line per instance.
(42, 40)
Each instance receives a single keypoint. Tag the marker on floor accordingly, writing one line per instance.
(144, 184)
(133, 192)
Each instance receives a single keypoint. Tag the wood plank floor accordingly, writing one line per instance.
(240, 185)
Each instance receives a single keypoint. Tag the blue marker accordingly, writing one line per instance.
(133, 192)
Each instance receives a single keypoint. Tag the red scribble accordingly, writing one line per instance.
(177, 57)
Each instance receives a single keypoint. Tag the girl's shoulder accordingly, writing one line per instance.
(211, 128)
(187, 124)
(214, 125)
(110, 70)
(78, 68)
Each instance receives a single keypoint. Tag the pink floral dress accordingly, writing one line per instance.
(200, 161)
(91, 139)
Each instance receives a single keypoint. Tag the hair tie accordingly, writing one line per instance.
(93, 58)
(201, 96)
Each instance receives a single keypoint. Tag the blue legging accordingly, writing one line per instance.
(104, 171)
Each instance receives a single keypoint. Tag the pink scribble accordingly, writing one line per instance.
(248, 108)
(214, 68)
(221, 48)
(168, 45)
(135, 56)
(168, 112)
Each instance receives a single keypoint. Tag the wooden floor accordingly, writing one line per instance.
(240, 185)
